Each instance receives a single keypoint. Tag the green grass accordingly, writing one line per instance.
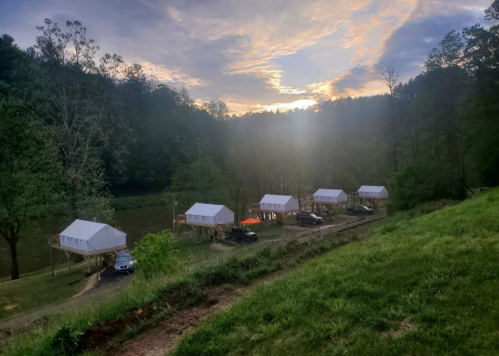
(140, 201)
(438, 272)
(249, 263)
(36, 290)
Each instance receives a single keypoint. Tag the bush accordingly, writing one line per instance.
(65, 342)
(420, 182)
(157, 254)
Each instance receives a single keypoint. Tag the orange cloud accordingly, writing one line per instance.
(168, 75)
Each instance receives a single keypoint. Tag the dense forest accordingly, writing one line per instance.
(76, 129)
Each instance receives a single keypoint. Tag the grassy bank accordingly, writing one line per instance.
(424, 286)
(40, 289)
(140, 201)
(250, 263)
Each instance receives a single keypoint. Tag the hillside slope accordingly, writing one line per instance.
(425, 286)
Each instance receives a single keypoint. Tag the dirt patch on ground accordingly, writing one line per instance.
(91, 283)
(406, 326)
(346, 217)
(294, 227)
(157, 327)
(180, 297)
(164, 338)
(221, 247)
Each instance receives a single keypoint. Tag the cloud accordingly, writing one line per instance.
(259, 54)
(407, 47)
(170, 76)
(354, 80)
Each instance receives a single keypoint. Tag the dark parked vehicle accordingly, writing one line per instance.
(361, 210)
(306, 217)
(241, 234)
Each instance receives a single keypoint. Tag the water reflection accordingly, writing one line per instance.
(34, 251)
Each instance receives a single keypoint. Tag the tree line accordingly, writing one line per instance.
(76, 129)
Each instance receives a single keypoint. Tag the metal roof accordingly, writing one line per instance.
(205, 209)
(276, 199)
(328, 192)
(371, 188)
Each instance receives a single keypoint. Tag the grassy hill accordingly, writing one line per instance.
(424, 286)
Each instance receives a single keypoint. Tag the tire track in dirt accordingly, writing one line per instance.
(164, 338)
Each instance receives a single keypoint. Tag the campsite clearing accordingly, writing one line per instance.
(424, 286)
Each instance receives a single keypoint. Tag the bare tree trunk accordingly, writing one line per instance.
(73, 201)
(236, 210)
(243, 208)
(13, 256)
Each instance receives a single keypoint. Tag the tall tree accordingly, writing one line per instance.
(219, 111)
(29, 171)
(389, 77)
(80, 113)
(448, 86)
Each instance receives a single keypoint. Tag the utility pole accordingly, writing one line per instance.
(174, 216)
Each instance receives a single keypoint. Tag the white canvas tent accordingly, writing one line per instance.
(279, 203)
(330, 196)
(89, 238)
(210, 215)
(373, 192)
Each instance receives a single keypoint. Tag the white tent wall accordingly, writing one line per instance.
(194, 219)
(209, 215)
(278, 203)
(90, 238)
(376, 192)
(224, 217)
(330, 196)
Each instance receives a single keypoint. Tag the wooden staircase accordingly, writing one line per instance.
(220, 232)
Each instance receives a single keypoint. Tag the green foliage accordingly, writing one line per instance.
(242, 269)
(140, 201)
(29, 171)
(29, 165)
(157, 254)
(65, 342)
(419, 182)
(182, 291)
(201, 176)
(430, 287)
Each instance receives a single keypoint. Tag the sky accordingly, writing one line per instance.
(258, 55)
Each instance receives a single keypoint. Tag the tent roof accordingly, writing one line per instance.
(328, 192)
(250, 221)
(276, 199)
(84, 230)
(205, 209)
(371, 188)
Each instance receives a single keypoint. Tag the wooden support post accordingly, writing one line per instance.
(52, 260)
(68, 255)
(88, 263)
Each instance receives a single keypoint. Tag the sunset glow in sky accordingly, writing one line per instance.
(258, 55)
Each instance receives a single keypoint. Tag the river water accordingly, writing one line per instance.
(34, 252)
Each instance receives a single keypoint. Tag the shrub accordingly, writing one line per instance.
(157, 254)
(420, 182)
(65, 342)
